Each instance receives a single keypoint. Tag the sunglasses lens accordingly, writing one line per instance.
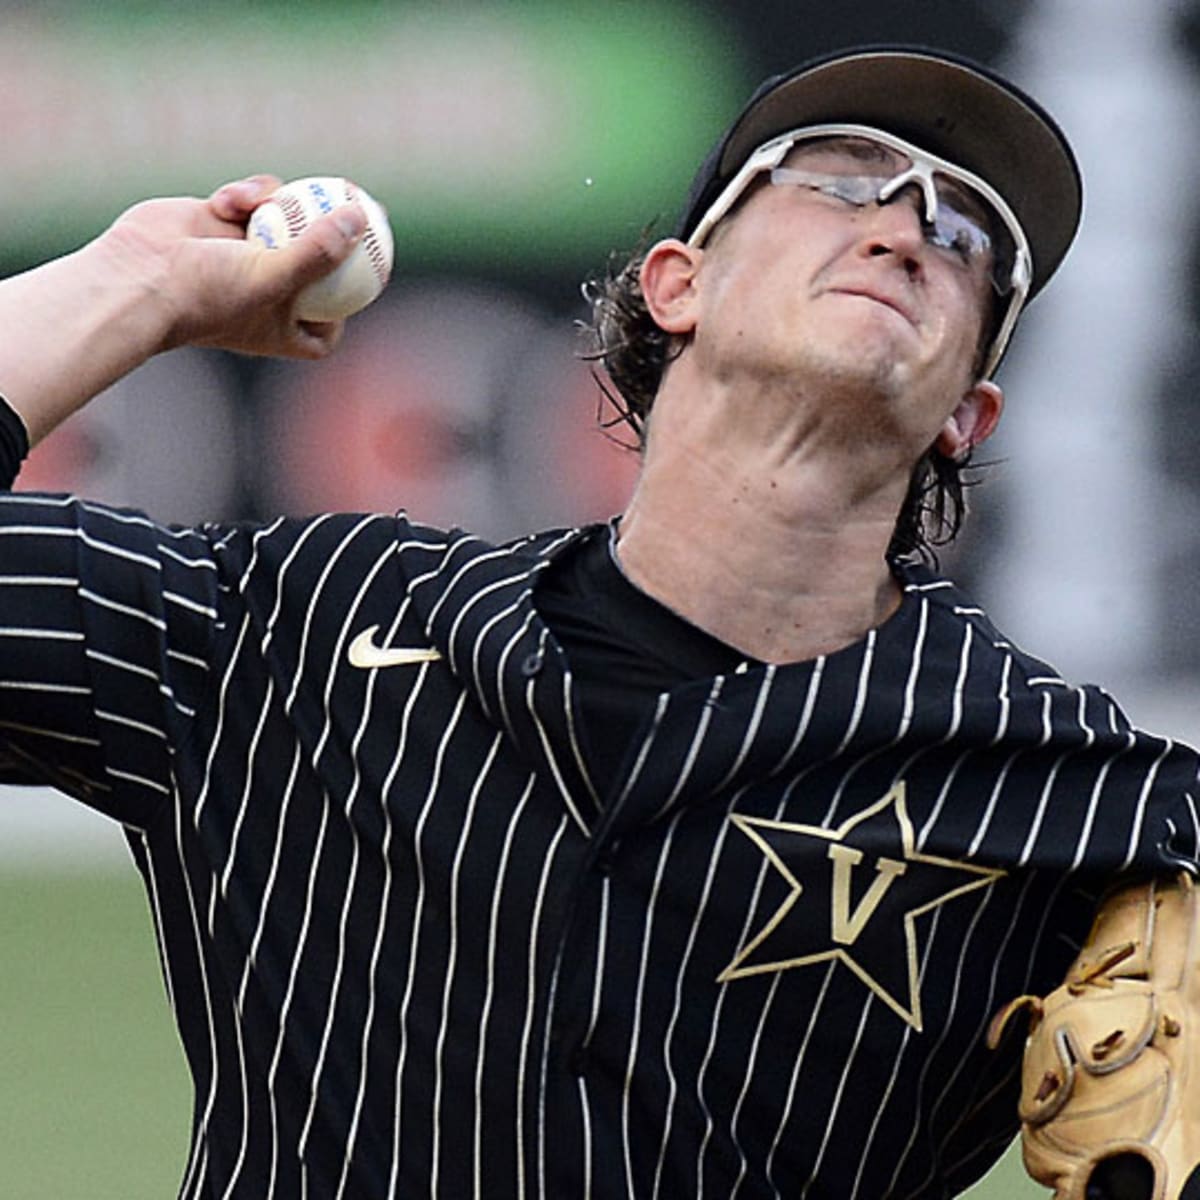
(967, 222)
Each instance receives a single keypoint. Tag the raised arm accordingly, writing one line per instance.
(168, 272)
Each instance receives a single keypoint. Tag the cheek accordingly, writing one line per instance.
(967, 318)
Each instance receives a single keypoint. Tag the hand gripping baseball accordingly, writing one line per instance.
(1110, 1091)
(214, 288)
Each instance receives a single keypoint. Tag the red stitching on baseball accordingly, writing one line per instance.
(293, 214)
(375, 256)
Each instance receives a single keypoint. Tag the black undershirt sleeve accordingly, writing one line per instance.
(14, 444)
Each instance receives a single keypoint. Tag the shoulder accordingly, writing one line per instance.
(958, 614)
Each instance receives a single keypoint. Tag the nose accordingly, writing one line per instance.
(895, 228)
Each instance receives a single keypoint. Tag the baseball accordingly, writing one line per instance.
(290, 210)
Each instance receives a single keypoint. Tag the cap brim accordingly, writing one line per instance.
(954, 109)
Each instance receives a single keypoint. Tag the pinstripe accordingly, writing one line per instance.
(693, 750)
(752, 728)
(140, 780)
(405, 726)
(497, 620)
(1135, 828)
(755, 1050)
(594, 1015)
(41, 635)
(124, 610)
(1093, 807)
(53, 689)
(552, 757)
(502, 666)
(331, 563)
(494, 953)
(239, 820)
(113, 550)
(568, 701)
(955, 993)
(693, 933)
(904, 716)
(635, 1034)
(50, 734)
(215, 744)
(797, 740)
(527, 1026)
(884, 1106)
(460, 573)
(129, 723)
(293, 975)
(439, 763)
(195, 1181)
(252, 959)
(188, 562)
(455, 900)
(847, 1066)
(793, 1086)
(363, 724)
(410, 973)
(993, 800)
(806, 715)
(280, 588)
(964, 659)
(245, 1132)
(1051, 778)
(860, 697)
(915, 1131)
(1002, 950)
(187, 660)
(164, 955)
(38, 531)
(204, 610)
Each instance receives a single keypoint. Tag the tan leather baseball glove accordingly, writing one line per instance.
(1110, 1089)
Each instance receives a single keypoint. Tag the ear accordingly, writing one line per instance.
(668, 279)
(972, 421)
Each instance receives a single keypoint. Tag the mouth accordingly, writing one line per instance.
(879, 297)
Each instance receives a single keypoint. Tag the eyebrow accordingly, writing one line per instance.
(853, 147)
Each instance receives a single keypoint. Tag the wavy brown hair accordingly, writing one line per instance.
(634, 352)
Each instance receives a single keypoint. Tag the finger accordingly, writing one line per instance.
(237, 200)
(316, 339)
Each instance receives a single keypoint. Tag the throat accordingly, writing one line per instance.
(775, 609)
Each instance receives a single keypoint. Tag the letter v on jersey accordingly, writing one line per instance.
(365, 652)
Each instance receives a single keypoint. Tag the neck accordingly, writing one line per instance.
(781, 556)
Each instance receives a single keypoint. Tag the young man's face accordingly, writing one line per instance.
(801, 288)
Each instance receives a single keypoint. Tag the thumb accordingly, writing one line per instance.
(320, 249)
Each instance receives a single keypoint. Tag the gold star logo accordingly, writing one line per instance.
(866, 885)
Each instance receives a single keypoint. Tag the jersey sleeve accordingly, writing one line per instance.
(106, 626)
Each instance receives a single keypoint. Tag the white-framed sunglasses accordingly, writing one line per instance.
(985, 229)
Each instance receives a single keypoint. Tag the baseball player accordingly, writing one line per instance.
(684, 855)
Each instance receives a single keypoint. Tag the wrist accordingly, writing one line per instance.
(72, 327)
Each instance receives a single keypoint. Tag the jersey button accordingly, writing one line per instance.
(531, 665)
(606, 860)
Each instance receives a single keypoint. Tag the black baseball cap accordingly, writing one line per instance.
(946, 105)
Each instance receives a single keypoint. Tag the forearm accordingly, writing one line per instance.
(70, 329)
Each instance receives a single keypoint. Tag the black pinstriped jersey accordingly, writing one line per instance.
(413, 952)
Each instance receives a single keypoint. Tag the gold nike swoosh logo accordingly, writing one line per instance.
(365, 653)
